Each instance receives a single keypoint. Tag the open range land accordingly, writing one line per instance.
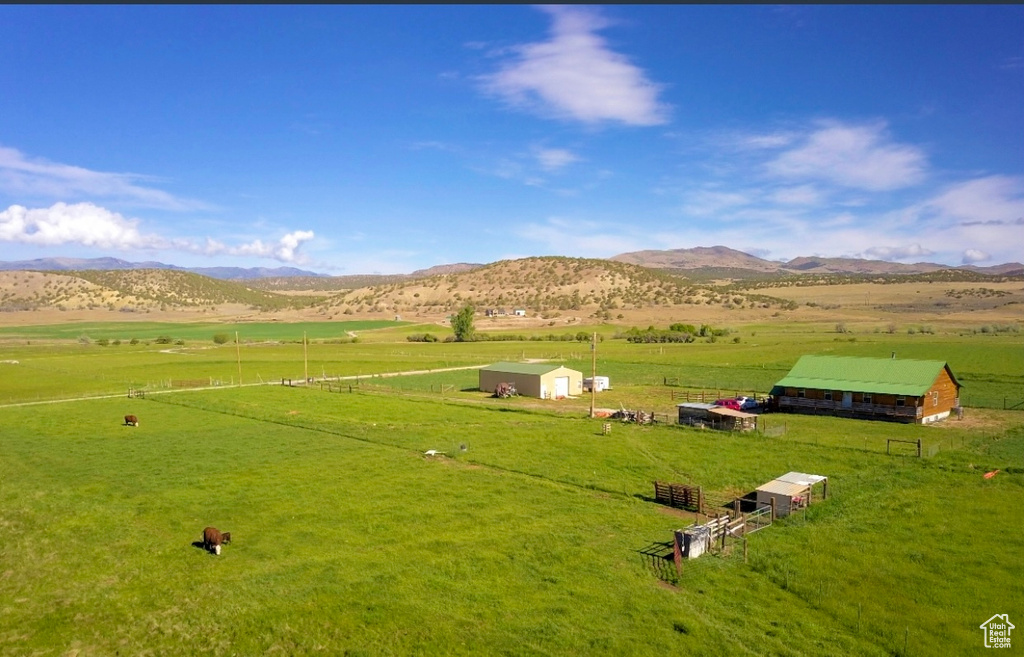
(532, 530)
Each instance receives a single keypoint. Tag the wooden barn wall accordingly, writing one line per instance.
(858, 397)
(946, 397)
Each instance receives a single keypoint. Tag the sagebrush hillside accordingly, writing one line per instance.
(137, 290)
(546, 288)
(588, 287)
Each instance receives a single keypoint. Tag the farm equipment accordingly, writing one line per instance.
(639, 417)
(505, 390)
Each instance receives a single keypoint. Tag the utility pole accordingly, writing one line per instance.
(238, 356)
(593, 372)
(305, 358)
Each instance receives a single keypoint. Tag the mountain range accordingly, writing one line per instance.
(709, 260)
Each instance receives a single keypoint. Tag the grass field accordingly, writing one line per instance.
(54, 364)
(535, 539)
(202, 332)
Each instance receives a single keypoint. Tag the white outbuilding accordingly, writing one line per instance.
(541, 380)
(791, 491)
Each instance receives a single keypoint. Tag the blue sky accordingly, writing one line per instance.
(385, 139)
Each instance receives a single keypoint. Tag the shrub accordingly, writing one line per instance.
(422, 337)
(221, 338)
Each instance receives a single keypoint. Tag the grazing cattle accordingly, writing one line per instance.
(213, 539)
(131, 421)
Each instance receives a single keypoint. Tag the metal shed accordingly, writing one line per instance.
(727, 418)
(542, 380)
(695, 413)
(716, 417)
(790, 492)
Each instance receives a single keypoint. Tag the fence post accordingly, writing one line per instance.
(677, 552)
(700, 499)
(918, 448)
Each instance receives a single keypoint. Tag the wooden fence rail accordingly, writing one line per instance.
(707, 396)
(714, 534)
(889, 441)
(679, 496)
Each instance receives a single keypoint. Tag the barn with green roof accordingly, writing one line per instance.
(919, 391)
(542, 380)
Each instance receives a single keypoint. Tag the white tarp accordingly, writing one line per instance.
(696, 541)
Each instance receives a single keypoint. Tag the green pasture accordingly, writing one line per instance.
(534, 535)
(990, 367)
(195, 331)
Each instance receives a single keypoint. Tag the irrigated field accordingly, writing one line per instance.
(533, 534)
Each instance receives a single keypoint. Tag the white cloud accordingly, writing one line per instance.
(575, 75)
(708, 202)
(993, 200)
(896, 252)
(36, 177)
(578, 238)
(553, 159)
(81, 223)
(798, 195)
(285, 249)
(772, 140)
(90, 225)
(972, 256)
(858, 157)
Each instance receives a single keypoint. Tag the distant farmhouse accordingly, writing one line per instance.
(542, 380)
(912, 391)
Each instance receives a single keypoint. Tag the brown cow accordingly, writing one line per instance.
(131, 421)
(213, 539)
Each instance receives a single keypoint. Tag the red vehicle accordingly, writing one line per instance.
(734, 404)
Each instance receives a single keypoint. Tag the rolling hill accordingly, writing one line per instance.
(116, 264)
(724, 259)
(131, 290)
(574, 289)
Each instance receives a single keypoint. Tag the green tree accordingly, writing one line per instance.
(462, 324)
